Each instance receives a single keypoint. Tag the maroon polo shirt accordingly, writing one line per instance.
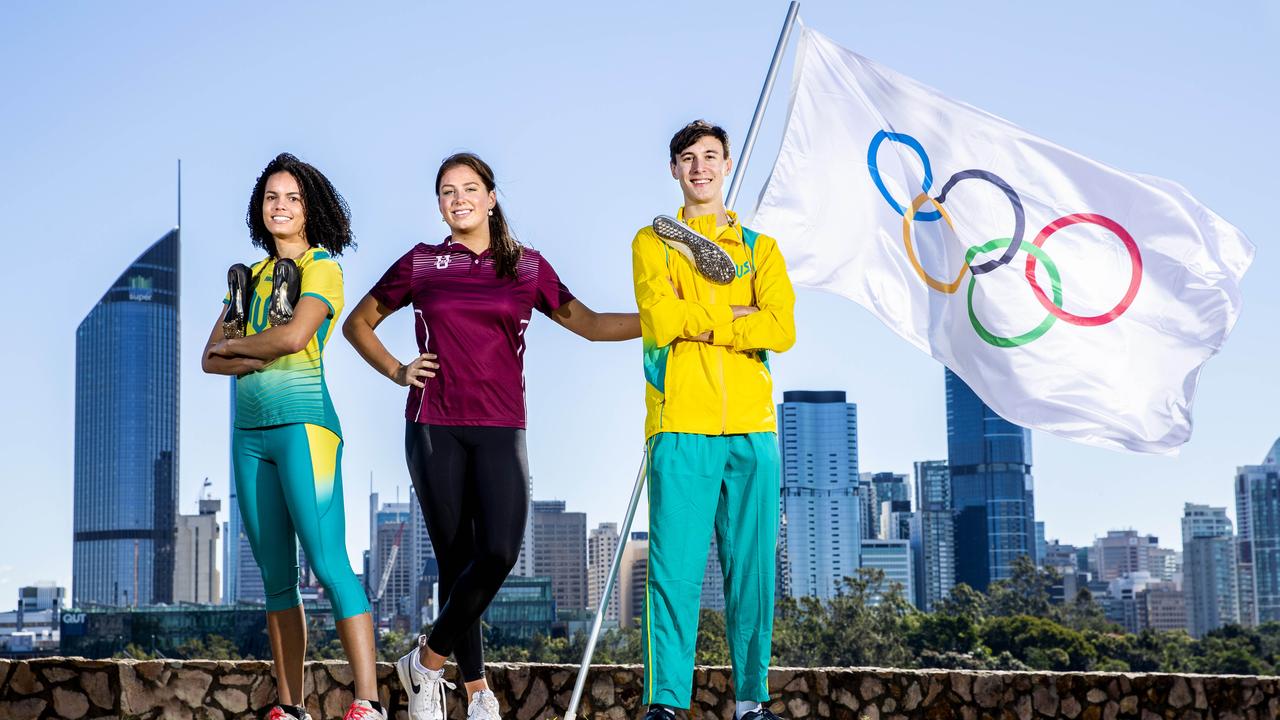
(474, 321)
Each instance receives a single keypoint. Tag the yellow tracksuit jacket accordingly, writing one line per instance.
(723, 387)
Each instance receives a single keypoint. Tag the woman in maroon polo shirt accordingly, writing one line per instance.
(472, 296)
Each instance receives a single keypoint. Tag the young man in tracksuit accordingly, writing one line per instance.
(711, 430)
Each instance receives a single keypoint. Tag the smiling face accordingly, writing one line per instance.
(465, 202)
(283, 211)
(701, 169)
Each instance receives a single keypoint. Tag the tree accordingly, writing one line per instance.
(713, 641)
(864, 624)
(1024, 592)
(1038, 642)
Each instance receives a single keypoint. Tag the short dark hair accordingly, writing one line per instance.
(328, 223)
(694, 131)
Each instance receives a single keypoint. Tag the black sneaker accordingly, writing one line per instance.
(660, 712)
(286, 286)
(708, 258)
(236, 318)
(762, 714)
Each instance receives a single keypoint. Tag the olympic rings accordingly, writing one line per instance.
(1012, 245)
(874, 168)
(1055, 282)
(1019, 216)
(1135, 275)
(938, 285)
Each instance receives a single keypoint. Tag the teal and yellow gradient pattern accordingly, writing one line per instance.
(292, 389)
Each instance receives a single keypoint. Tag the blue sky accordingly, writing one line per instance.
(573, 104)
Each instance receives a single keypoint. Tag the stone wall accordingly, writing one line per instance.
(75, 688)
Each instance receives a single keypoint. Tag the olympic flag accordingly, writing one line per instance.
(1072, 297)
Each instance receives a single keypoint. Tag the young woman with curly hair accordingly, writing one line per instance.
(473, 296)
(287, 442)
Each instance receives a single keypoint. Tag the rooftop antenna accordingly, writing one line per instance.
(179, 192)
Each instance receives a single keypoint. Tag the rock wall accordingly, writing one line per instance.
(76, 688)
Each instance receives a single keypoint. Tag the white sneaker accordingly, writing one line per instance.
(484, 706)
(363, 710)
(425, 688)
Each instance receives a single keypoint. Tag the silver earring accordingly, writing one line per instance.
(490, 213)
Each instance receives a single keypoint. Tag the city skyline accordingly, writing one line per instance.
(180, 79)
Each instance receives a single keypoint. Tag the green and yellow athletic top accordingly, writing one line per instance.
(722, 387)
(292, 389)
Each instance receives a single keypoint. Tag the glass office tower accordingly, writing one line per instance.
(126, 436)
(992, 493)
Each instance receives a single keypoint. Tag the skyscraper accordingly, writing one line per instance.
(632, 575)
(389, 532)
(560, 552)
(1258, 513)
(126, 435)
(820, 503)
(992, 491)
(241, 578)
(886, 487)
(602, 544)
(1209, 569)
(1124, 552)
(893, 557)
(424, 569)
(933, 534)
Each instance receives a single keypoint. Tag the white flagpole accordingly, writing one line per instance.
(571, 713)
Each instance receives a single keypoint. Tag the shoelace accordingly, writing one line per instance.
(362, 712)
(442, 684)
(488, 705)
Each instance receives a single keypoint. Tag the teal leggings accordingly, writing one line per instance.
(289, 485)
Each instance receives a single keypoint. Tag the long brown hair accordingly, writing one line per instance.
(506, 251)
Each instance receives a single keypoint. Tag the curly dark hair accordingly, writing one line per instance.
(506, 250)
(328, 219)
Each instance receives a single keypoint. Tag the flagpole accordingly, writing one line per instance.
(741, 170)
(580, 684)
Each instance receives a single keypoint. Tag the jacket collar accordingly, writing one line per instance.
(706, 226)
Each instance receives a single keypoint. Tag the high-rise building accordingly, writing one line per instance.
(632, 575)
(933, 550)
(241, 578)
(1040, 542)
(868, 517)
(895, 520)
(524, 561)
(195, 575)
(992, 490)
(424, 567)
(1162, 607)
(126, 436)
(1209, 569)
(560, 552)
(602, 545)
(1258, 516)
(1123, 552)
(886, 487)
(391, 573)
(820, 503)
(894, 558)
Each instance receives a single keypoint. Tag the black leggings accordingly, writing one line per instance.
(473, 485)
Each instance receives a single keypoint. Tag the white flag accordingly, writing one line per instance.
(1072, 297)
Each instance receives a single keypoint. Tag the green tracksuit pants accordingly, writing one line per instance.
(697, 483)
